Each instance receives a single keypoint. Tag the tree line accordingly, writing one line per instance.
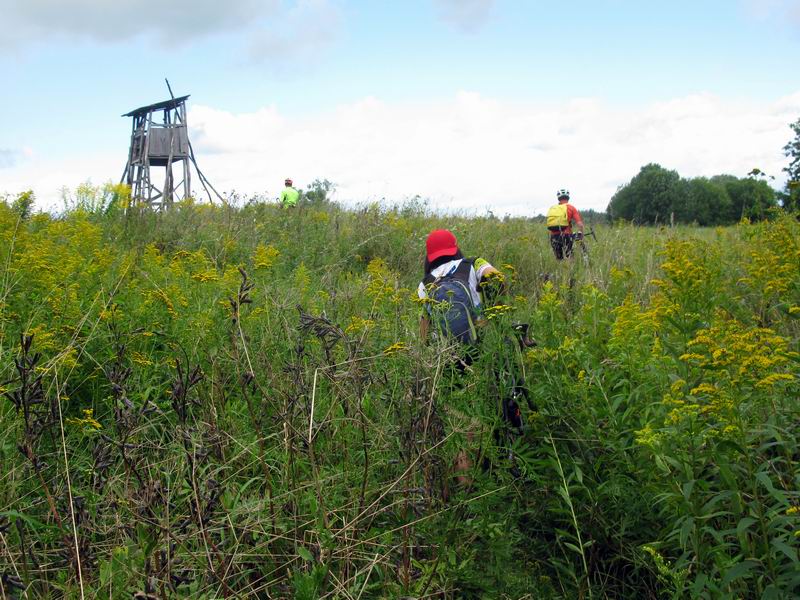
(659, 195)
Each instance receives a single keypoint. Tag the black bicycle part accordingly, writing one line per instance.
(513, 392)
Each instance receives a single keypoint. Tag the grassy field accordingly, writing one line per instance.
(234, 403)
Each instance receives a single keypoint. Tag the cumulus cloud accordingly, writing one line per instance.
(174, 21)
(266, 30)
(48, 176)
(470, 152)
(474, 152)
(466, 15)
(301, 36)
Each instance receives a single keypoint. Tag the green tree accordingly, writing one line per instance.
(791, 197)
(749, 197)
(318, 192)
(650, 197)
(658, 195)
(592, 217)
(705, 202)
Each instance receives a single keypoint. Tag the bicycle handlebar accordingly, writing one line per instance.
(583, 235)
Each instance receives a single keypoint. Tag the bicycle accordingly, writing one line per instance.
(580, 238)
(511, 392)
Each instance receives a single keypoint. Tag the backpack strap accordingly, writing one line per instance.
(461, 273)
(463, 269)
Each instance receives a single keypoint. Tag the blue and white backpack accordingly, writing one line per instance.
(453, 309)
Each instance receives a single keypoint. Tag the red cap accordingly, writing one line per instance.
(440, 243)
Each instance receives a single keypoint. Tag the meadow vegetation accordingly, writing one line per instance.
(224, 402)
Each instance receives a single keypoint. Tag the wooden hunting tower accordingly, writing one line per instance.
(159, 138)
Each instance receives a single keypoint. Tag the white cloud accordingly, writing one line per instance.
(101, 20)
(282, 33)
(466, 15)
(470, 152)
(476, 152)
(301, 36)
(47, 176)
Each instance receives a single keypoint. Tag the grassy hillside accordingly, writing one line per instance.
(233, 403)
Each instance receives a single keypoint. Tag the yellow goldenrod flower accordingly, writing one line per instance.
(265, 256)
(204, 276)
(770, 380)
(703, 388)
(395, 348)
(88, 420)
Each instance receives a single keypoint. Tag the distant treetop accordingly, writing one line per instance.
(658, 195)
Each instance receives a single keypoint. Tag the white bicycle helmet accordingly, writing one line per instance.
(562, 193)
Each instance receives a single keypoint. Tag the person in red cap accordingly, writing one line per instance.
(445, 266)
(451, 291)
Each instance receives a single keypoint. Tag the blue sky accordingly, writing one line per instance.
(441, 98)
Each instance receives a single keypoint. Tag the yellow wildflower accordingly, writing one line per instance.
(497, 310)
(204, 276)
(770, 380)
(358, 325)
(381, 282)
(395, 348)
(265, 256)
(140, 359)
(703, 388)
(160, 295)
(87, 420)
(320, 216)
(647, 437)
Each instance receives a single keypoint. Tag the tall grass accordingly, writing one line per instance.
(247, 410)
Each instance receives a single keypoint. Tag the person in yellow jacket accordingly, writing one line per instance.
(289, 195)
(560, 219)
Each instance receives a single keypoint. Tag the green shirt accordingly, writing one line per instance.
(289, 196)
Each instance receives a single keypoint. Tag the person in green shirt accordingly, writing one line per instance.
(289, 195)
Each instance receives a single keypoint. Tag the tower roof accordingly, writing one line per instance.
(166, 104)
